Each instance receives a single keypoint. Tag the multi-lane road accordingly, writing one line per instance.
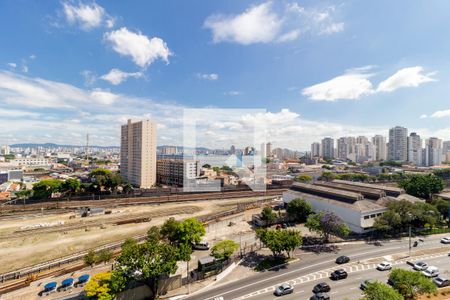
(314, 268)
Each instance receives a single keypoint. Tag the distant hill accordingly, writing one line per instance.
(52, 145)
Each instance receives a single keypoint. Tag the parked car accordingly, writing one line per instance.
(322, 287)
(339, 274)
(445, 240)
(284, 289)
(420, 266)
(431, 271)
(203, 245)
(383, 266)
(365, 283)
(342, 259)
(441, 282)
(218, 298)
(320, 296)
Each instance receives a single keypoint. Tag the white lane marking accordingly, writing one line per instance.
(304, 268)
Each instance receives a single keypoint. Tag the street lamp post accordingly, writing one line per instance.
(409, 239)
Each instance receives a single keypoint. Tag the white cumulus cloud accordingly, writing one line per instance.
(257, 24)
(87, 16)
(406, 77)
(355, 83)
(211, 76)
(116, 76)
(441, 114)
(142, 49)
(351, 85)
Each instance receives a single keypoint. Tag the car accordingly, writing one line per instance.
(383, 266)
(445, 240)
(431, 271)
(342, 260)
(218, 298)
(284, 289)
(320, 296)
(203, 245)
(338, 274)
(365, 283)
(322, 287)
(420, 266)
(441, 282)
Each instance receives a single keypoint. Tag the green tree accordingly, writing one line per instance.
(402, 214)
(45, 188)
(380, 291)
(410, 284)
(327, 224)
(442, 206)
(90, 258)
(71, 186)
(104, 256)
(23, 194)
(268, 215)
(224, 249)
(422, 186)
(104, 180)
(299, 210)
(279, 241)
(328, 176)
(99, 287)
(303, 178)
(147, 263)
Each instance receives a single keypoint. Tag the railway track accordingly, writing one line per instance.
(85, 224)
(59, 205)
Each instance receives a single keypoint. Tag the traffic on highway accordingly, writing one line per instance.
(339, 276)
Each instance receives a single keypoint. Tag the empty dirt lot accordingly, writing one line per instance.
(69, 234)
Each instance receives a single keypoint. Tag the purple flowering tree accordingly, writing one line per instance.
(327, 223)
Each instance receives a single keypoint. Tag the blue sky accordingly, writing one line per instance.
(319, 68)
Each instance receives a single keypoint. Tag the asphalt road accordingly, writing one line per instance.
(314, 268)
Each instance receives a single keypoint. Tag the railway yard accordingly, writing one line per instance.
(37, 236)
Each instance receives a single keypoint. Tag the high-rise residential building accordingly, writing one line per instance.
(446, 147)
(233, 150)
(315, 150)
(345, 147)
(177, 172)
(398, 144)
(362, 140)
(5, 150)
(379, 142)
(138, 153)
(327, 147)
(415, 149)
(169, 150)
(433, 152)
(269, 149)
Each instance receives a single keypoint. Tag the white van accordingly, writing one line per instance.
(431, 271)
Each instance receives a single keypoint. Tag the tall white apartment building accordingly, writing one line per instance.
(4, 150)
(398, 144)
(433, 152)
(315, 150)
(379, 142)
(345, 147)
(327, 147)
(138, 153)
(415, 149)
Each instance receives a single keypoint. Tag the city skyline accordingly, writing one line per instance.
(125, 62)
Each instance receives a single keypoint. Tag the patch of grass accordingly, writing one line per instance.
(271, 262)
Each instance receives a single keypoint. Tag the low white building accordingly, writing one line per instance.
(356, 211)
